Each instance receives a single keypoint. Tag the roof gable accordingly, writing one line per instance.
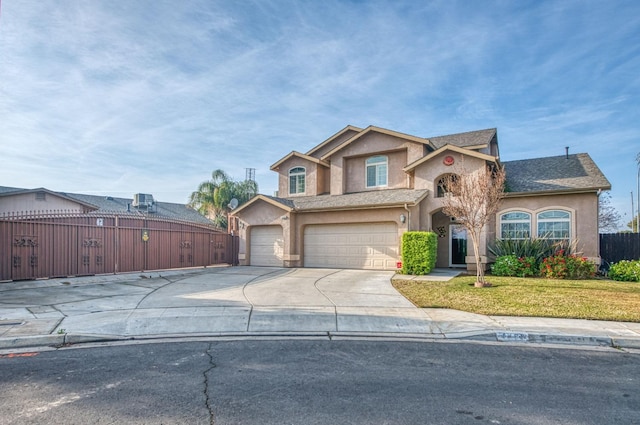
(285, 204)
(347, 132)
(451, 148)
(377, 130)
(12, 191)
(298, 155)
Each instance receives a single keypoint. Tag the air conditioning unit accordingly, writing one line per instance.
(142, 200)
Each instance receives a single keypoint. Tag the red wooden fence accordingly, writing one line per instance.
(56, 244)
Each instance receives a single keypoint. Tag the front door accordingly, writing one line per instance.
(458, 244)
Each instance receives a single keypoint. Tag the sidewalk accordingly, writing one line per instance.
(261, 301)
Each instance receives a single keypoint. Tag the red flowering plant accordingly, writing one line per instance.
(561, 266)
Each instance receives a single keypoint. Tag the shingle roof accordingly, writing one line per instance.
(108, 204)
(555, 173)
(377, 198)
(470, 138)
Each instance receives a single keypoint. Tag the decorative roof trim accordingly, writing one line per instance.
(365, 207)
(264, 198)
(299, 155)
(453, 148)
(335, 136)
(555, 192)
(377, 130)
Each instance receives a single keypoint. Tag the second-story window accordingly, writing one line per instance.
(296, 180)
(377, 171)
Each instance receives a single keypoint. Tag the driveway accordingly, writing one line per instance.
(225, 300)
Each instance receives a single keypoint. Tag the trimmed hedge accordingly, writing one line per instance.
(419, 252)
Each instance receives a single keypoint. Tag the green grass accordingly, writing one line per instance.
(596, 299)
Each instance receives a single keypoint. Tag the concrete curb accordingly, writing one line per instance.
(525, 338)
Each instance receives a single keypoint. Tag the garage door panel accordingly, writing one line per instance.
(267, 246)
(358, 246)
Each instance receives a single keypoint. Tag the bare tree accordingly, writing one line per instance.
(473, 199)
(608, 216)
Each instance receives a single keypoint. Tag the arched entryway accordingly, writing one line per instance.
(452, 240)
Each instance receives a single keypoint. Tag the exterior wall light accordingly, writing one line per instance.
(403, 218)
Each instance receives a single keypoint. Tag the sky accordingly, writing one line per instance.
(121, 97)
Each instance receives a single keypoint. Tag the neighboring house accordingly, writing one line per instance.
(346, 202)
(16, 201)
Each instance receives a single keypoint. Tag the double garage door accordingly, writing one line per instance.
(351, 246)
(372, 246)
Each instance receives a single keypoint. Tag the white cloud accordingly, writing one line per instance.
(151, 96)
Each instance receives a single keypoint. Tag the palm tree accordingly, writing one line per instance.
(213, 196)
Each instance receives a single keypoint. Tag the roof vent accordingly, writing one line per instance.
(566, 148)
(142, 201)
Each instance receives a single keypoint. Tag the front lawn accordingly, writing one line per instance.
(595, 299)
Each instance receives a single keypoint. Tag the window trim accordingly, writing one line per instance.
(568, 220)
(534, 214)
(502, 221)
(300, 174)
(377, 166)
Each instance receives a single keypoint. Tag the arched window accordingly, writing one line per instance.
(515, 225)
(554, 225)
(441, 188)
(297, 180)
(377, 171)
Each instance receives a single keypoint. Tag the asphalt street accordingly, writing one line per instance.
(321, 381)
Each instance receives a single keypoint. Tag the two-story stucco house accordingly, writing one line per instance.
(346, 202)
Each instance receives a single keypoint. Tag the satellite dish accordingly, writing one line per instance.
(233, 204)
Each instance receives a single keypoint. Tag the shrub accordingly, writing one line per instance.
(418, 252)
(561, 266)
(626, 271)
(510, 265)
(538, 248)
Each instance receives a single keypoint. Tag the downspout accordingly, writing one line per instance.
(408, 217)
(598, 224)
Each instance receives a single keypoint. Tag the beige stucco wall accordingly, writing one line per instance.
(356, 175)
(313, 179)
(369, 145)
(584, 214)
(427, 174)
(27, 202)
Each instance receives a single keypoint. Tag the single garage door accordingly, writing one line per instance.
(267, 246)
(352, 246)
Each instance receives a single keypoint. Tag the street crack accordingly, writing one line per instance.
(207, 384)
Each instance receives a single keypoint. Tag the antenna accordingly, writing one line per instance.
(233, 204)
(250, 174)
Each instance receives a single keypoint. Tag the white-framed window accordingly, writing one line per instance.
(515, 225)
(554, 225)
(297, 180)
(377, 171)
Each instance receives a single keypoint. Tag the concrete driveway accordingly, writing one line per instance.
(218, 301)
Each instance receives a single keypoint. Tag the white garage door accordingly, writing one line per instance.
(353, 246)
(267, 246)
